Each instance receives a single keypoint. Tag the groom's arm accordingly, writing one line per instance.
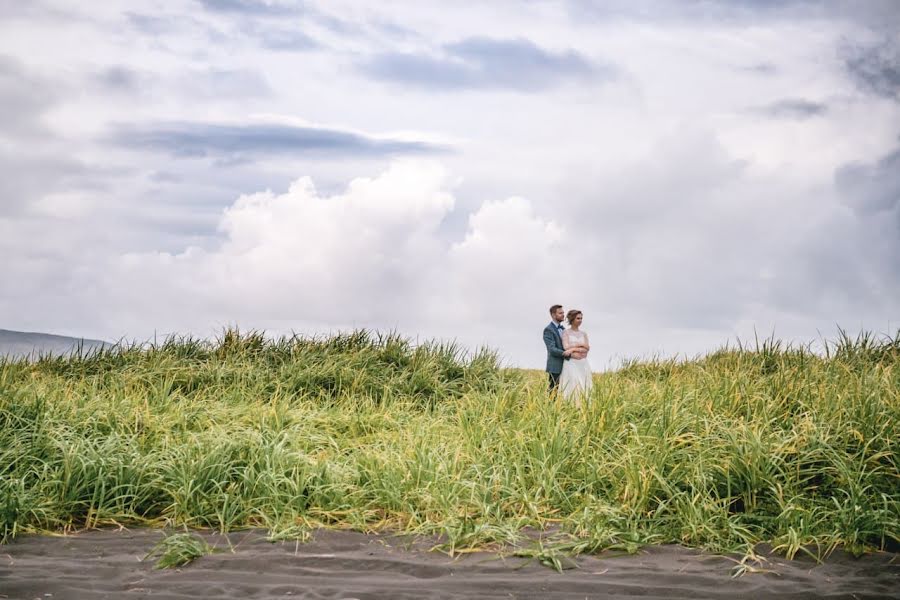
(552, 348)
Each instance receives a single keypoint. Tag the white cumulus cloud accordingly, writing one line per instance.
(369, 256)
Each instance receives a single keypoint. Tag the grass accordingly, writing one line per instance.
(178, 550)
(769, 443)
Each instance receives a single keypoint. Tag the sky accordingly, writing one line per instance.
(688, 173)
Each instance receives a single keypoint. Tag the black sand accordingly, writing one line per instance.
(335, 565)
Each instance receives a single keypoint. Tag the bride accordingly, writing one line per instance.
(575, 380)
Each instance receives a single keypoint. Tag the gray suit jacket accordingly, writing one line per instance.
(555, 350)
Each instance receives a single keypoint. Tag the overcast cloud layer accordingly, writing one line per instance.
(684, 172)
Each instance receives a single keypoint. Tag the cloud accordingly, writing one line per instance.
(273, 26)
(215, 83)
(485, 63)
(38, 9)
(690, 237)
(200, 84)
(120, 79)
(872, 188)
(32, 163)
(656, 10)
(797, 109)
(376, 254)
(873, 13)
(510, 257)
(151, 24)
(283, 40)
(875, 69)
(24, 98)
(357, 256)
(656, 232)
(196, 139)
(761, 68)
(255, 12)
(371, 255)
(29, 176)
(250, 7)
(868, 238)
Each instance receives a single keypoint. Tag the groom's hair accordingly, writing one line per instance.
(554, 308)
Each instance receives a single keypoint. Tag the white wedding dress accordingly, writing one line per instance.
(576, 380)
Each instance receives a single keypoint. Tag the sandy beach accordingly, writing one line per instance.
(345, 565)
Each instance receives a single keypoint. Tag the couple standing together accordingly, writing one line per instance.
(567, 350)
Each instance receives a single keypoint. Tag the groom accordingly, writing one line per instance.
(553, 340)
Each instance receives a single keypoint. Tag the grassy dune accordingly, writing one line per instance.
(369, 432)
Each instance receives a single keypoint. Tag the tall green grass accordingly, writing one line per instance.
(756, 444)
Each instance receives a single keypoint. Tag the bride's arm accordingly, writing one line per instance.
(587, 343)
(581, 345)
(577, 350)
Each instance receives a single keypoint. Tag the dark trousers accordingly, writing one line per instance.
(554, 381)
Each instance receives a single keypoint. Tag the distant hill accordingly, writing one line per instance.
(16, 344)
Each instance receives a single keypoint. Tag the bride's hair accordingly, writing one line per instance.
(570, 316)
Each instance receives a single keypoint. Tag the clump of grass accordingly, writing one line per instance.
(765, 443)
(178, 550)
(294, 532)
